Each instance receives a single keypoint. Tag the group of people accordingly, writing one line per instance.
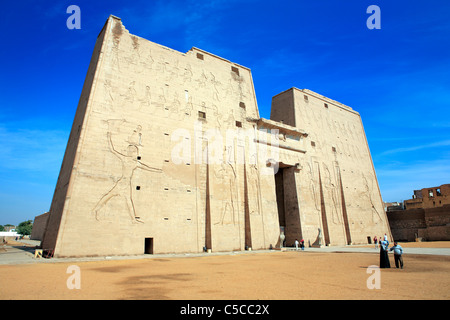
(384, 249)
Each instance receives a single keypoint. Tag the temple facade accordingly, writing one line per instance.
(168, 154)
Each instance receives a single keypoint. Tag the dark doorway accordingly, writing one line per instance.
(148, 246)
(287, 203)
(279, 188)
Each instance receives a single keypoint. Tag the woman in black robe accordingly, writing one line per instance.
(384, 259)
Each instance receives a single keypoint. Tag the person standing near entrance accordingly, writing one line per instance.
(296, 244)
(375, 239)
(384, 259)
(302, 244)
(398, 251)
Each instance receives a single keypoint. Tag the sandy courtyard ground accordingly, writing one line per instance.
(245, 276)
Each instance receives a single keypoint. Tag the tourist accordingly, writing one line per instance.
(302, 244)
(375, 239)
(398, 251)
(384, 258)
(296, 244)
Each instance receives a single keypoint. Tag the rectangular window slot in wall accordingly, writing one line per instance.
(235, 70)
(166, 189)
(199, 56)
(201, 115)
(313, 144)
(139, 157)
(333, 149)
(305, 97)
(138, 187)
(238, 124)
(242, 105)
(325, 105)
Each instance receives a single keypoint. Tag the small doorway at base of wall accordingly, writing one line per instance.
(148, 249)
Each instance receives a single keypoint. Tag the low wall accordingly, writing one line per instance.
(429, 224)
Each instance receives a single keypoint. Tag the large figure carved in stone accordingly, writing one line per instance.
(123, 187)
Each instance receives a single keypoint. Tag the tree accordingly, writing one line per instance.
(24, 228)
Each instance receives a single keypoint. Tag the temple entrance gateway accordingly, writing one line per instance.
(287, 203)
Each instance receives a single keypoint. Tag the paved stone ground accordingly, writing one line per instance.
(22, 251)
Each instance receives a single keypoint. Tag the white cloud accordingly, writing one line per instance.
(397, 181)
(417, 147)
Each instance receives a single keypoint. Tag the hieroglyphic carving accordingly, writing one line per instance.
(254, 189)
(187, 76)
(313, 188)
(226, 177)
(368, 186)
(218, 117)
(130, 94)
(146, 101)
(331, 189)
(215, 91)
(188, 108)
(130, 162)
(202, 80)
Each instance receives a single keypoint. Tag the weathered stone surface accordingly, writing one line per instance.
(169, 147)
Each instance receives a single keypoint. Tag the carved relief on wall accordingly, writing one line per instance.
(368, 194)
(130, 94)
(130, 162)
(225, 177)
(146, 101)
(331, 194)
(254, 189)
(188, 74)
(218, 117)
(202, 80)
(225, 180)
(215, 84)
(133, 57)
(313, 187)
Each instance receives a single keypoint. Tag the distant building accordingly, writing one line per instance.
(429, 197)
(426, 216)
(9, 228)
(391, 206)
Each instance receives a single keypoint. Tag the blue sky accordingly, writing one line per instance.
(397, 77)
